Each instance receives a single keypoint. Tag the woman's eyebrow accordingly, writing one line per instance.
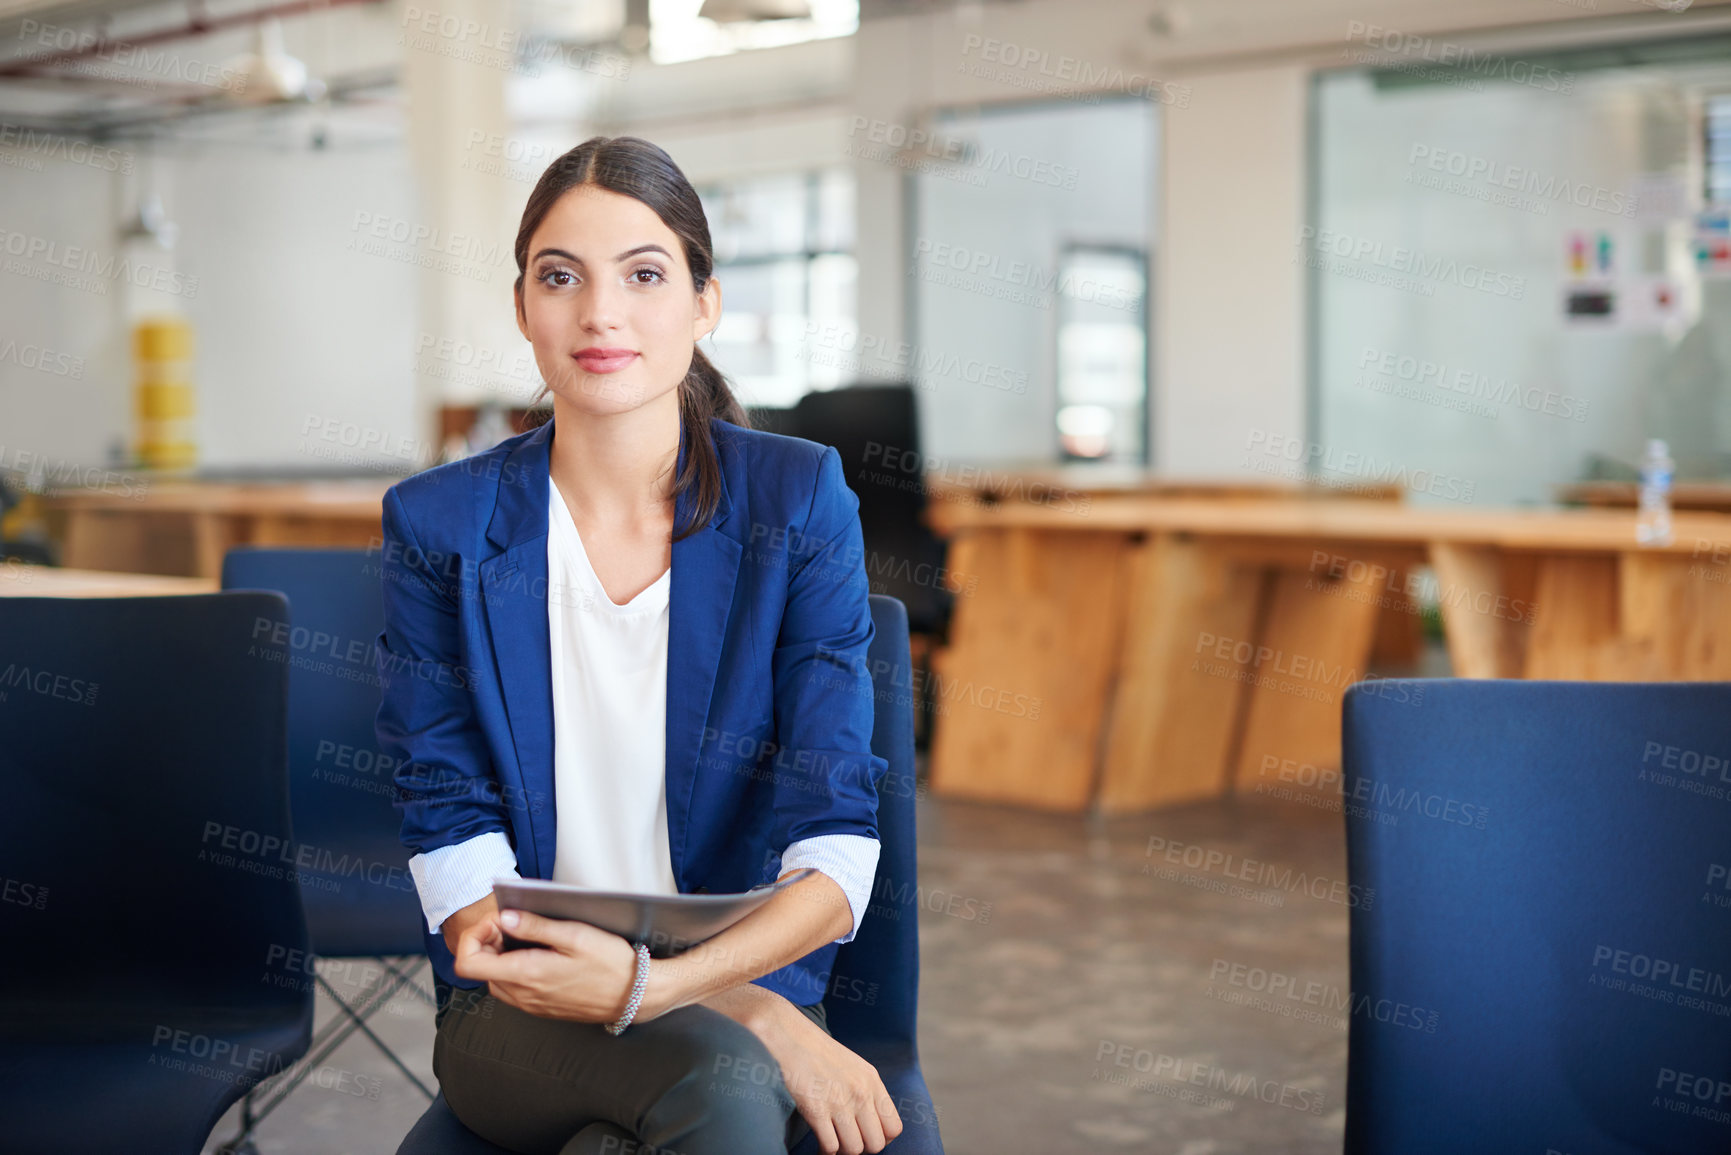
(626, 255)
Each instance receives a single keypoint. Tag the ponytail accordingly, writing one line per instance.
(703, 394)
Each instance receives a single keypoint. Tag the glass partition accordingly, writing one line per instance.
(1032, 241)
(1513, 282)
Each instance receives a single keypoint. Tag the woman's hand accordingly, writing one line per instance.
(583, 973)
(478, 915)
(839, 1093)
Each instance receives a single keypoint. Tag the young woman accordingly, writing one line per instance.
(626, 650)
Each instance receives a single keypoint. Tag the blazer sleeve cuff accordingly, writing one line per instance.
(452, 877)
(851, 860)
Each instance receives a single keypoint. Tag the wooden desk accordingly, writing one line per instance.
(1147, 651)
(1065, 484)
(1704, 495)
(185, 527)
(37, 581)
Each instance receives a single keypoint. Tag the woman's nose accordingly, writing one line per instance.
(599, 306)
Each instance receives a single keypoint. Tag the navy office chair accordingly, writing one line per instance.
(873, 1001)
(876, 430)
(772, 419)
(148, 919)
(360, 900)
(1541, 950)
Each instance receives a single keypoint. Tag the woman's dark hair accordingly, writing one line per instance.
(634, 167)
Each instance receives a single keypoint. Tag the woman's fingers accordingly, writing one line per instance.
(526, 927)
(824, 1130)
(841, 1096)
(847, 1130)
(480, 959)
(871, 1128)
(564, 935)
(889, 1119)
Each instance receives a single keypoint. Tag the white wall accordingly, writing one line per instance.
(323, 335)
(1228, 296)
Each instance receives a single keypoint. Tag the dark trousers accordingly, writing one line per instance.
(692, 1082)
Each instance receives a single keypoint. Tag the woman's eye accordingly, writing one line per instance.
(547, 278)
(651, 270)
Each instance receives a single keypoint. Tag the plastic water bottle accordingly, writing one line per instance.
(1653, 518)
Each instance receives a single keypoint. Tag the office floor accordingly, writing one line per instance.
(1079, 993)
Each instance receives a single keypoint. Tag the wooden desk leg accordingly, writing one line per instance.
(83, 548)
(213, 535)
(1575, 632)
(1315, 643)
(318, 532)
(1675, 613)
(269, 529)
(1176, 705)
(1021, 688)
(1485, 615)
(124, 542)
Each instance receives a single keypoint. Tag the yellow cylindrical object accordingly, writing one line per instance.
(163, 401)
(162, 372)
(165, 404)
(162, 339)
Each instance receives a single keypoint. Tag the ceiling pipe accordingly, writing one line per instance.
(195, 26)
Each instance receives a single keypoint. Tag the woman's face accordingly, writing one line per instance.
(608, 302)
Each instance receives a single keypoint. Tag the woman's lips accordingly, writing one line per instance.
(605, 360)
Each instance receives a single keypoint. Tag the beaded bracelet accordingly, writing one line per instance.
(637, 984)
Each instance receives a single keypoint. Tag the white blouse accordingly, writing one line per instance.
(609, 668)
(609, 721)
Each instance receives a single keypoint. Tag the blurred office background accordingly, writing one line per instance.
(895, 192)
(1449, 256)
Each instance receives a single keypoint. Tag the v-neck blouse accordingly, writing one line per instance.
(609, 667)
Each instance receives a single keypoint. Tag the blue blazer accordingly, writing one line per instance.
(769, 699)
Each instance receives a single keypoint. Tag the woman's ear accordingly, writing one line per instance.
(708, 314)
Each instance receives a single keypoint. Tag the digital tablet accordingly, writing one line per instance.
(667, 924)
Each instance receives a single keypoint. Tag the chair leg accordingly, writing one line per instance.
(242, 1143)
(426, 996)
(360, 1023)
(378, 991)
(925, 695)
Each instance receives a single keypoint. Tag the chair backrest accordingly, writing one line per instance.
(772, 419)
(360, 899)
(1541, 928)
(874, 989)
(146, 806)
(876, 430)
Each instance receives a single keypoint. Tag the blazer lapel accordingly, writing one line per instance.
(514, 595)
(705, 572)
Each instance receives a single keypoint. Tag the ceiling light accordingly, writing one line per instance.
(736, 11)
(268, 73)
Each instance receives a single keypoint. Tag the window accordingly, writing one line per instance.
(784, 258)
(1102, 354)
